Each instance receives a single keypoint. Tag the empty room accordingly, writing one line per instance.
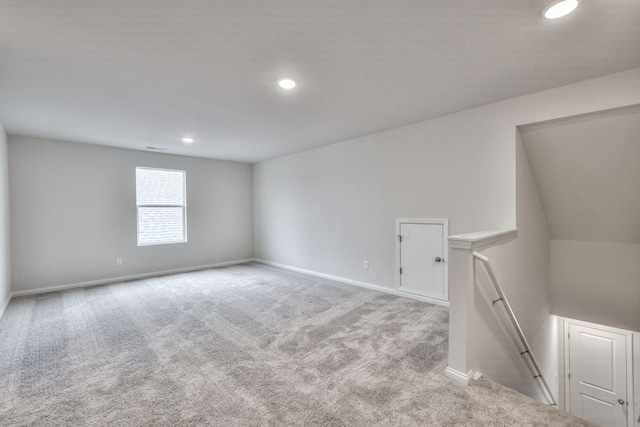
(320, 213)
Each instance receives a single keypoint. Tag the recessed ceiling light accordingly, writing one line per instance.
(187, 139)
(558, 9)
(286, 84)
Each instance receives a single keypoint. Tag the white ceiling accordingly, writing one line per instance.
(587, 170)
(146, 72)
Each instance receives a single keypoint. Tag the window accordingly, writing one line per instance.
(161, 201)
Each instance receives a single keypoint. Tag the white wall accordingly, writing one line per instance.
(329, 209)
(597, 282)
(5, 253)
(522, 269)
(587, 169)
(73, 211)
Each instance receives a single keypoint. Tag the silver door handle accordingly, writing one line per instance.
(438, 259)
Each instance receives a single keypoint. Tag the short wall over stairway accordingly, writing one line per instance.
(482, 338)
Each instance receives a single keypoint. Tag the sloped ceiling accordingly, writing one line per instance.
(147, 72)
(587, 170)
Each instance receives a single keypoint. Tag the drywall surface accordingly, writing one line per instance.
(329, 209)
(596, 282)
(522, 269)
(73, 212)
(5, 251)
(587, 169)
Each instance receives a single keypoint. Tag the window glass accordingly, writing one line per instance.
(160, 198)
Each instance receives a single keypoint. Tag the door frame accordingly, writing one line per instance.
(630, 385)
(445, 234)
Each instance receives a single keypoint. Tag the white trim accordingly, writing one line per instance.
(567, 385)
(421, 294)
(422, 221)
(560, 338)
(356, 283)
(630, 380)
(445, 256)
(127, 278)
(6, 304)
(458, 376)
(481, 238)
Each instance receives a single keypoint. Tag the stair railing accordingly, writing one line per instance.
(516, 325)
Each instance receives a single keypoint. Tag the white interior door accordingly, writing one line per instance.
(598, 375)
(421, 259)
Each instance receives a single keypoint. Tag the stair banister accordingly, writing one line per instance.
(516, 325)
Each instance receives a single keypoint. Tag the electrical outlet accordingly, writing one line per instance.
(365, 265)
(118, 261)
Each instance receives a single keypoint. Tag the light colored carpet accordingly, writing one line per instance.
(239, 346)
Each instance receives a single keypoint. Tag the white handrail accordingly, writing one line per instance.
(516, 325)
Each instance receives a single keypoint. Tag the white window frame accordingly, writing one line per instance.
(183, 206)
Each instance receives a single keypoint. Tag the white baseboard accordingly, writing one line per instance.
(5, 305)
(126, 278)
(356, 283)
(458, 376)
(221, 264)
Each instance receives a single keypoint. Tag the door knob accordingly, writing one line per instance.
(620, 401)
(438, 259)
